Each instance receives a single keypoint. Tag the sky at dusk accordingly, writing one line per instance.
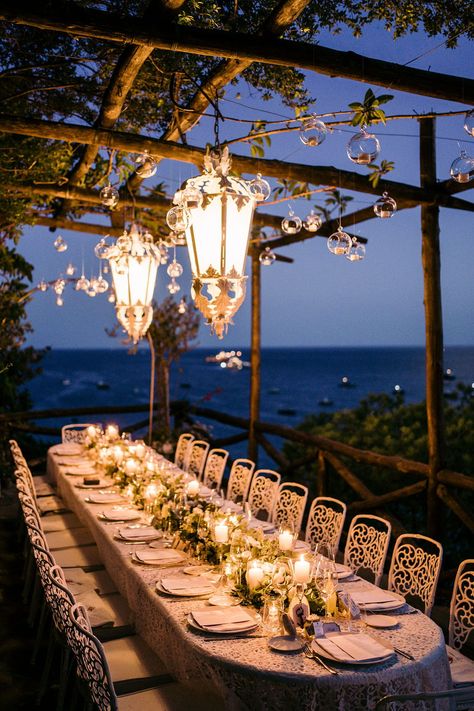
(320, 299)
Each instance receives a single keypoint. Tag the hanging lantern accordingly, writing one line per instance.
(259, 188)
(267, 257)
(70, 269)
(385, 206)
(292, 224)
(313, 132)
(339, 242)
(147, 166)
(217, 237)
(42, 285)
(134, 260)
(313, 222)
(356, 252)
(469, 122)
(363, 148)
(462, 169)
(109, 196)
(59, 244)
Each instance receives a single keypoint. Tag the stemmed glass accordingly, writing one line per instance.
(325, 576)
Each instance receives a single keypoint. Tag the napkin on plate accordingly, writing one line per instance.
(165, 556)
(227, 619)
(138, 534)
(353, 647)
(104, 497)
(120, 515)
(374, 598)
(181, 585)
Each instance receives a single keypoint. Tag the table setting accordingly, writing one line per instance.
(194, 569)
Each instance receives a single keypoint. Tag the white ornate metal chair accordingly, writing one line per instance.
(325, 522)
(240, 478)
(415, 567)
(215, 467)
(196, 459)
(41, 486)
(367, 545)
(182, 448)
(461, 624)
(76, 432)
(462, 699)
(290, 505)
(263, 493)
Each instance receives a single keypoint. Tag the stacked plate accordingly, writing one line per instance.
(119, 513)
(68, 449)
(80, 469)
(185, 586)
(137, 534)
(343, 571)
(158, 557)
(353, 649)
(377, 600)
(104, 497)
(223, 621)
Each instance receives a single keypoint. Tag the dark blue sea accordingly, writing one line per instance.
(295, 381)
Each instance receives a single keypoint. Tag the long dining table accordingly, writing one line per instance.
(244, 671)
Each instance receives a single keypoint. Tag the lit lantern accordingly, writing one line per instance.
(217, 232)
(134, 261)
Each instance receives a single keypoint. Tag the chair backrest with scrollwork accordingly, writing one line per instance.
(44, 562)
(240, 478)
(263, 493)
(22, 470)
(367, 545)
(31, 516)
(61, 601)
(76, 432)
(91, 662)
(214, 469)
(461, 614)
(290, 504)
(415, 568)
(197, 458)
(325, 522)
(182, 447)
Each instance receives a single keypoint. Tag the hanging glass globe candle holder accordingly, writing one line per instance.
(469, 122)
(178, 218)
(174, 269)
(147, 166)
(363, 148)
(91, 291)
(59, 301)
(313, 222)
(259, 188)
(173, 287)
(385, 206)
(101, 285)
(82, 284)
(42, 285)
(292, 224)
(313, 132)
(339, 242)
(356, 252)
(59, 244)
(109, 196)
(70, 269)
(462, 168)
(111, 297)
(267, 257)
(182, 306)
(58, 286)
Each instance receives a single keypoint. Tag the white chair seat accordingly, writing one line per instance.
(462, 668)
(171, 697)
(60, 522)
(131, 658)
(84, 557)
(58, 540)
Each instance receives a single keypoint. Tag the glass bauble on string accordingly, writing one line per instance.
(313, 132)
(174, 269)
(363, 148)
(109, 196)
(173, 287)
(82, 284)
(59, 244)
(356, 252)
(267, 257)
(70, 269)
(469, 122)
(182, 306)
(178, 218)
(147, 166)
(163, 250)
(42, 285)
(102, 247)
(59, 301)
(291, 225)
(59, 285)
(462, 168)
(339, 242)
(259, 188)
(111, 297)
(385, 206)
(312, 222)
(90, 291)
(101, 285)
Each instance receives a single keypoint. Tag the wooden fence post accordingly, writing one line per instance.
(255, 356)
(430, 254)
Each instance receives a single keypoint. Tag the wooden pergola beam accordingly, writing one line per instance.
(81, 22)
(317, 175)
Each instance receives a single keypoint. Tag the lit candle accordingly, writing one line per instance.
(254, 575)
(140, 450)
(92, 431)
(131, 466)
(285, 540)
(151, 492)
(118, 454)
(112, 431)
(192, 489)
(150, 466)
(302, 570)
(221, 532)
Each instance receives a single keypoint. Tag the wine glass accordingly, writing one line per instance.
(325, 577)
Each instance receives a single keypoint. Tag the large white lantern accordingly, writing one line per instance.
(134, 261)
(215, 211)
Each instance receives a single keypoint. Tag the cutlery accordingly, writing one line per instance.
(309, 652)
(407, 655)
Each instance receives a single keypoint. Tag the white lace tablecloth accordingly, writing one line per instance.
(246, 672)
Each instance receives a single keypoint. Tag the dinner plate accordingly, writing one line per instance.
(103, 484)
(343, 571)
(121, 536)
(319, 649)
(119, 515)
(172, 562)
(389, 606)
(197, 592)
(381, 621)
(238, 630)
(285, 643)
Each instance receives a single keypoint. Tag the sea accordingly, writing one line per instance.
(296, 382)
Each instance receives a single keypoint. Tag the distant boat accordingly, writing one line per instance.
(449, 374)
(286, 411)
(346, 383)
(102, 385)
(398, 390)
(325, 402)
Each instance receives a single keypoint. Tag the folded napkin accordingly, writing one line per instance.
(368, 598)
(353, 647)
(224, 619)
(104, 497)
(164, 556)
(99, 616)
(121, 515)
(183, 584)
(139, 534)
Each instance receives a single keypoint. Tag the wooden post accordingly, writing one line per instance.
(430, 254)
(255, 356)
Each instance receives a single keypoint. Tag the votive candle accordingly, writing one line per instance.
(302, 570)
(285, 540)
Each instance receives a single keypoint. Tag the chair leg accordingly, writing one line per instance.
(45, 676)
(35, 602)
(40, 633)
(67, 666)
